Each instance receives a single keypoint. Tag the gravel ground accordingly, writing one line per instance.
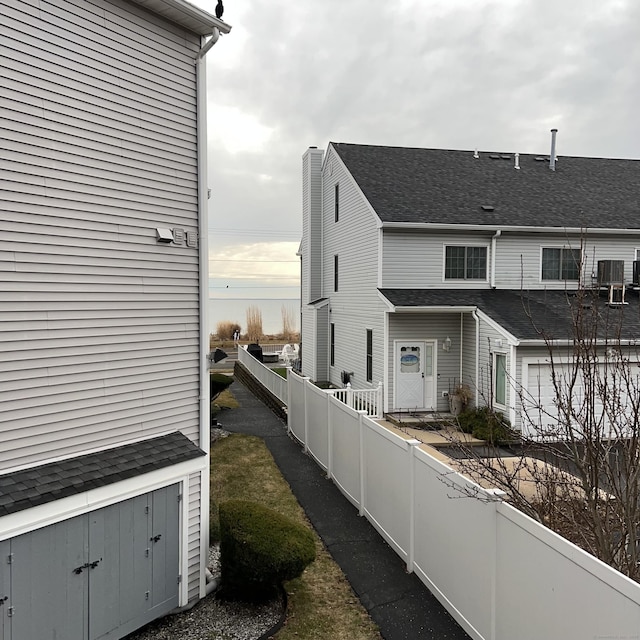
(215, 619)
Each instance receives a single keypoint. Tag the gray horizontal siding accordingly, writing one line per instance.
(99, 324)
(193, 549)
(415, 259)
(356, 306)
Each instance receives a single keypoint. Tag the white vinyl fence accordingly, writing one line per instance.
(500, 574)
(274, 382)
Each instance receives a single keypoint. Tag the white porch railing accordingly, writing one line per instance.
(369, 400)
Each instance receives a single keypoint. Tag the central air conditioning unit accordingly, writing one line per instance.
(610, 272)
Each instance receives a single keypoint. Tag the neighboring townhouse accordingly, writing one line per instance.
(426, 268)
(104, 417)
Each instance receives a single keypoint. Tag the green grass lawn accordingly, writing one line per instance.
(322, 605)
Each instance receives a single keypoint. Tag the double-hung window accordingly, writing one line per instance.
(336, 202)
(335, 273)
(561, 263)
(465, 263)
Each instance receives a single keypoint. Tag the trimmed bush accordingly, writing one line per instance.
(486, 424)
(218, 382)
(214, 522)
(260, 549)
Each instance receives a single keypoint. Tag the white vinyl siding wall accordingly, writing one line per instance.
(415, 259)
(99, 322)
(193, 548)
(357, 305)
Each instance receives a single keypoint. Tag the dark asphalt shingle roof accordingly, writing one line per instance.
(45, 483)
(451, 187)
(522, 312)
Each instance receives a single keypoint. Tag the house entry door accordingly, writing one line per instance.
(414, 378)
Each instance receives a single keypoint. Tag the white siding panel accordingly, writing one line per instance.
(99, 323)
(356, 306)
(415, 258)
(193, 550)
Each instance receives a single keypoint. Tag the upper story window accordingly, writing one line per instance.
(561, 263)
(336, 202)
(335, 273)
(465, 263)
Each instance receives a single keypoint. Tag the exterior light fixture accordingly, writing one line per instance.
(446, 345)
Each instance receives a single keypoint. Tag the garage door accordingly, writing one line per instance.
(540, 413)
(95, 576)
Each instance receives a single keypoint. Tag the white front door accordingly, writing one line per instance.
(414, 367)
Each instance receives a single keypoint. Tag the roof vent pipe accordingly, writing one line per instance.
(517, 161)
(552, 157)
(476, 154)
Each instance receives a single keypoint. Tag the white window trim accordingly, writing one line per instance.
(560, 246)
(464, 244)
(494, 354)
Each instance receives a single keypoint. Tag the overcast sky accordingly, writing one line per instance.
(495, 75)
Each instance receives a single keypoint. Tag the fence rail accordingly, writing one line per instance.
(274, 382)
(369, 400)
(499, 573)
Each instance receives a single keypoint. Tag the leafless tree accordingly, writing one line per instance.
(575, 466)
(288, 323)
(254, 324)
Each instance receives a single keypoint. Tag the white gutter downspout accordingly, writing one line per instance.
(474, 313)
(206, 585)
(494, 239)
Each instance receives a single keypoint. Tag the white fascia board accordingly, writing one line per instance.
(390, 307)
(511, 339)
(441, 226)
(434, 309)
(186, 15)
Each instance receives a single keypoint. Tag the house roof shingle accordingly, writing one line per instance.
(451, 187)
(38, 485)
(522, 312)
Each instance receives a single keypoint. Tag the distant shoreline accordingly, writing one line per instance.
(234, 310)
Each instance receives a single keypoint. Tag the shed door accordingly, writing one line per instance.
(414, 378)
(99, 575)
(48, 597)
(4, 590)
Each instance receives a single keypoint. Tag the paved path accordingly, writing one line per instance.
(401, 606)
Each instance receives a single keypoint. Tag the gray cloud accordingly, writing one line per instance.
(460, 74)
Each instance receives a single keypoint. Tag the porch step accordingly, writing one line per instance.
(427, 420)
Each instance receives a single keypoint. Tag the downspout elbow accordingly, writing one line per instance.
(215, 36)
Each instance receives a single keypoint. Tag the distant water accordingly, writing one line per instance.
(235, 310)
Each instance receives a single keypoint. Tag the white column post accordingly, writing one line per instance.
(413, 444)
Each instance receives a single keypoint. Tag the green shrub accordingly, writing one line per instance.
(218, 382)
(485, 424)
(260, 549)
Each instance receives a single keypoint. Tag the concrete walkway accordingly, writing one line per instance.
(401, 606)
